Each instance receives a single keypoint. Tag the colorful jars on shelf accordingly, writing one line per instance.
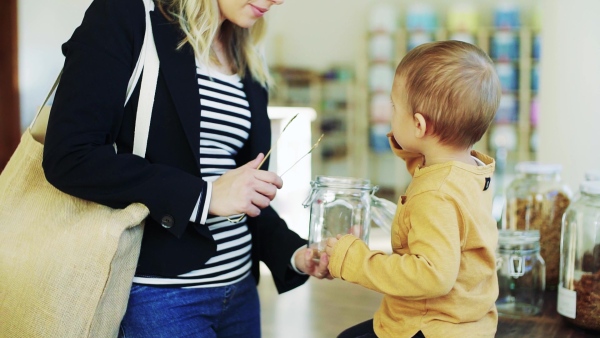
(462, 17)
(508, 110)
(418, 38)
(507, 73)
(381, 48)
(507, 16)
(505, 46)
(421, 17)
(579, 287)
(383, 18)
(536, 200)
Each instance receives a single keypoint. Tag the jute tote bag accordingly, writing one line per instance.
(66, 264)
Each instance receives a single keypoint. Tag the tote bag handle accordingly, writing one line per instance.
(147, 60)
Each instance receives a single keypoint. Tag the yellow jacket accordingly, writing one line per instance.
(441, 277)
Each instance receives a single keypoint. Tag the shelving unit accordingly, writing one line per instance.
(299, 88)
(347, 117)
(333, 95)
(387, 171)
(336, 121)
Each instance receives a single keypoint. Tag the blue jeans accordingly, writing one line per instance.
(226, 311)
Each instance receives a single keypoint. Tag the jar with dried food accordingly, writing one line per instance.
(536, 200)
(579, 288)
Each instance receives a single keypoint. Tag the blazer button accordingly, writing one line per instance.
(167, 221)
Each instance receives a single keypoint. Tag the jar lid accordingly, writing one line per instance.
(592, 175)
(538, 168)
(508, 239)
(343, 182)
(590, 187)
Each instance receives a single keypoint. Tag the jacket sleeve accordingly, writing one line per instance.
(277, 243)
(86, 116)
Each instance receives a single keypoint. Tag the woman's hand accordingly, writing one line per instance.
(244, 190)
(305, 263)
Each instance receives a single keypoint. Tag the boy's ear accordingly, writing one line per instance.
(420, 125)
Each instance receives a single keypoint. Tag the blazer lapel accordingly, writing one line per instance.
(260, 132)
(178, 68)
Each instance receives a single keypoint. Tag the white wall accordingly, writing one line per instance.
(43, 27)
(570, 87)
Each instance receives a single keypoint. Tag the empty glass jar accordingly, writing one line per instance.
(536, 200)
(579, 288)
(521, 273)
(338, 205)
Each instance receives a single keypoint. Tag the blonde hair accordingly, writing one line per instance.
(199, 22)
(454, 85)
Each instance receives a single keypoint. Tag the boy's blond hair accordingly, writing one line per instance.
(454, 85)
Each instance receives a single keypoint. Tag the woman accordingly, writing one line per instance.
(198, 265)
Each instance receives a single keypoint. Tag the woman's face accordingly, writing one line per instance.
(245, 13)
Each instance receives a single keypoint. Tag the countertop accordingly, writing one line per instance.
(547, 324)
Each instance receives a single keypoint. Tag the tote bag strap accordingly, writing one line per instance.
(148, 59)
(148, 87)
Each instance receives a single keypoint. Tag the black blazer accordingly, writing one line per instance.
(88, 116)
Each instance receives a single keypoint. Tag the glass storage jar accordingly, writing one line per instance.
(338, 205)
(579, 288)
(521, 273)
(536, 200)
(592, 175)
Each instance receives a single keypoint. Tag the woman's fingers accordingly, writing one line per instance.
(269, 177)
(244, 190)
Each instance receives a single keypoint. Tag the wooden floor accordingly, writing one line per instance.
(319, 308)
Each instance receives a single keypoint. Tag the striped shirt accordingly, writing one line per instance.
(224, 129)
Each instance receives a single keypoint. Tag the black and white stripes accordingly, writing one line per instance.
(224, 129)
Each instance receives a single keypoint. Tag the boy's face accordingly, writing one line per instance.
(402, 117)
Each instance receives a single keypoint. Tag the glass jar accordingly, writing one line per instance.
(536, 200)
(579, 288)
(521, 273)
(338, 205)
(592, 175)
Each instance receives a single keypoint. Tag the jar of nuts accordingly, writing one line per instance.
(579, 287)
(536, 200)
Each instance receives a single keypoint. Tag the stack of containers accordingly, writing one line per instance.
(462, 22)
(504, 50)
(382, 29)
(535, 78)
(535, 201)
(421, 24)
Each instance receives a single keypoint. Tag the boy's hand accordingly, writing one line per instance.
(330, 242)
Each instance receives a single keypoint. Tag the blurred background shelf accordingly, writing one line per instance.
(353, 102)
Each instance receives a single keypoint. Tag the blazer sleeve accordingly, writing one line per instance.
(277, 244)
(87, 114)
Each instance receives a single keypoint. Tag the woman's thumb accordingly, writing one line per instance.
(255, 163)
